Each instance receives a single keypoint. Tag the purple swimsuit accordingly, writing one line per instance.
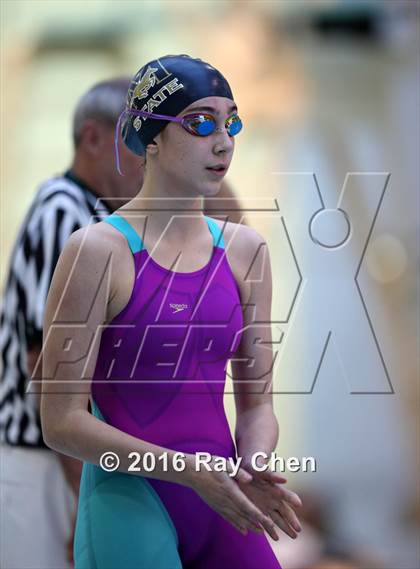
(160, 377)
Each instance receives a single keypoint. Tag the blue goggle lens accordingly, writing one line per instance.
(204, 125)
(234, 125)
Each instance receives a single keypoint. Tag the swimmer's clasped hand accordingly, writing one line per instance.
(223, 494)
(266, 492)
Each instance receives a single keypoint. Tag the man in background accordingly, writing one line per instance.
(39, 488)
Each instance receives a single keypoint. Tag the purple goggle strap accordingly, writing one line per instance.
(139, 114)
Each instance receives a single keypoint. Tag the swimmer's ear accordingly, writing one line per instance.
(152, 147)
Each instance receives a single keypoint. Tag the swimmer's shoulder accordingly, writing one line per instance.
(241, 240)
(99, 238)
(95, 245)
(243, 245)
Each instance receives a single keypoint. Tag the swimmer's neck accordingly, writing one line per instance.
(180, 218)
(164, 203)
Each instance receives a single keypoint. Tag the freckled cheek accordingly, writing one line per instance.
(190, 163)
(182, 163)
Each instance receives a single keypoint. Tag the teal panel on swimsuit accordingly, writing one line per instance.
(122, 523)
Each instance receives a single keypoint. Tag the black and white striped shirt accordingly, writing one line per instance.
(61, 206)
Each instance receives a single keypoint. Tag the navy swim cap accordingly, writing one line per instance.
(167, 86)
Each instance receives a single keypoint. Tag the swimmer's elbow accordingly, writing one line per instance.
(50, 441)
(53, 437)
(55, 432)
(60, 440)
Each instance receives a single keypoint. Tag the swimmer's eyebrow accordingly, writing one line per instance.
(211, 110)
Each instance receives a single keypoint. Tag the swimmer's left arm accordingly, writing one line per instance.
(256, 425)
(256, 436)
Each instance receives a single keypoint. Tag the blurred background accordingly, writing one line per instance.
(329, 94)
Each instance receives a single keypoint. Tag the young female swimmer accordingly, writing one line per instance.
(147, 341)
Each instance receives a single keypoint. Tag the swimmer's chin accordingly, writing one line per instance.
(211, 190)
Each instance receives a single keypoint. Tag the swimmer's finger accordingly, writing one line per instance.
(233, 509)
(242, 523)
(268, 524)
(291, 497)
(283, 525)
(253, 514)
(278, 494)
(237, 519)
(239, 527)
(257, 518)
(289, 516)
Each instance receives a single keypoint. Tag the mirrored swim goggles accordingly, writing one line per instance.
(197, 124)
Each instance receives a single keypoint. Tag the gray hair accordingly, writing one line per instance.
(103, 102)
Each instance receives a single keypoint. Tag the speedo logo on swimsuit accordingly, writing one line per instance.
(177, 307)
(153, 76)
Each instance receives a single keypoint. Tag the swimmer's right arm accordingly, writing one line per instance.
(76, 310)
(78, 306)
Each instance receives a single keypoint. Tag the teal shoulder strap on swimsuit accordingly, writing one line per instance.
(216, 232)
(134, 241)
(136, 244)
